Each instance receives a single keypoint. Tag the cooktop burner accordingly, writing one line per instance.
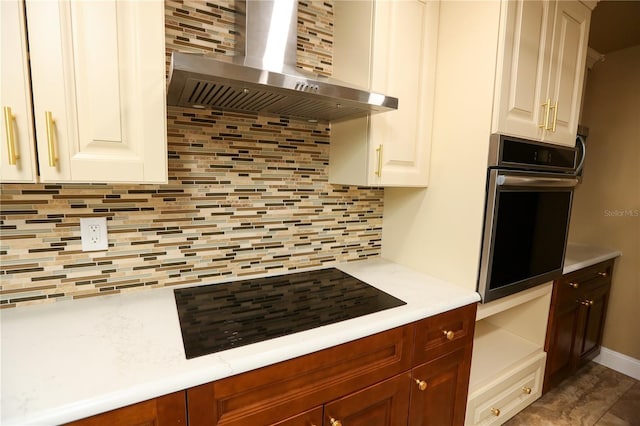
(224, 316)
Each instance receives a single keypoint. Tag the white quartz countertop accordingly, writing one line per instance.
(72, 359)
(580, 256)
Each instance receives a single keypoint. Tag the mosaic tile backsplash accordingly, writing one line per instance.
(247, 195)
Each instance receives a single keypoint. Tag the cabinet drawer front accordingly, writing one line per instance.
(444, 333)
(499, 401)
(279, 391)
(573, 287)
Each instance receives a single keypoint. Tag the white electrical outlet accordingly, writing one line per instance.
(93, 233)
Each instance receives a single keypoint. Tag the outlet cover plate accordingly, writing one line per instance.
(93, 233)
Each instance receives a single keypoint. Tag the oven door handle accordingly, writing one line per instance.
(536, 182)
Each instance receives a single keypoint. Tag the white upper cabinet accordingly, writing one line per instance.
(540, 73)
(98, 82)
(387, 47)
(17, 152)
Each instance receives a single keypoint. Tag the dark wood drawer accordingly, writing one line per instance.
(574, 286)
(276, 392)
(444, 333)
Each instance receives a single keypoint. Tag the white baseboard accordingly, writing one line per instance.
(619, 362)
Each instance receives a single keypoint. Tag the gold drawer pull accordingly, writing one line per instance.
(526, 390)
(449, 334)
(545, 106)
(603, 274)
(11, 141)
(574, 285)
(50, 123)
(379, 168)
(495, 411)
(335, 422)
(555, 116)
(422, 385)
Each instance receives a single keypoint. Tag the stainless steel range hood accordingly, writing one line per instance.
(265, 79)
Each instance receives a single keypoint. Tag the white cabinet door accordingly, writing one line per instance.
(568, 58)
(541, 70)
(99, 90)
(397, 58)
(17, 153)
(524, 68)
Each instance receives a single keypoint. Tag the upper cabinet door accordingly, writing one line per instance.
(541, 69)
(524, 69)
(98, 77)
(568, 60)
(17, 151)
(388, 47)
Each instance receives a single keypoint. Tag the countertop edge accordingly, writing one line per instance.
(580, 256)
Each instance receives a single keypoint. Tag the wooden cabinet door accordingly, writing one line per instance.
(560, 346)
(98, 78)
(593, 311)
(522, 75)
(17, 151)
(383, 404)
(167, 410)
(568, 58)
(308, 418)
(439, 391)
(276, 392)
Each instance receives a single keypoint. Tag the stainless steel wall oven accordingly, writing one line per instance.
(529, 192)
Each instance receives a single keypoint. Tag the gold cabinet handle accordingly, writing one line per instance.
(449, 334)
(11, 142)
(603, 274)
(526, 390)
(334, 422)
(574, 285)
(50, 123)
(422, 385)
(555, 117)
(495, 411)
(379, 154)
(586, 302)
(545, 105)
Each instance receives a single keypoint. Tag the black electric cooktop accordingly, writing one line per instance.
(224, 316)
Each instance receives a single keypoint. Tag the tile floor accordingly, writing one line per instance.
(595, 396)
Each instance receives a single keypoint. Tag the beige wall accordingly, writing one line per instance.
(438, 230)
(606, 210)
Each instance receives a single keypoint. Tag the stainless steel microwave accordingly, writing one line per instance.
(528, 204)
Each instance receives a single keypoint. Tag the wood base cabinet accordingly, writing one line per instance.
(576, 321)
(417, 374)
(167, 410)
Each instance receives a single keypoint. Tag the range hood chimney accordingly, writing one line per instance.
(265, 79)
